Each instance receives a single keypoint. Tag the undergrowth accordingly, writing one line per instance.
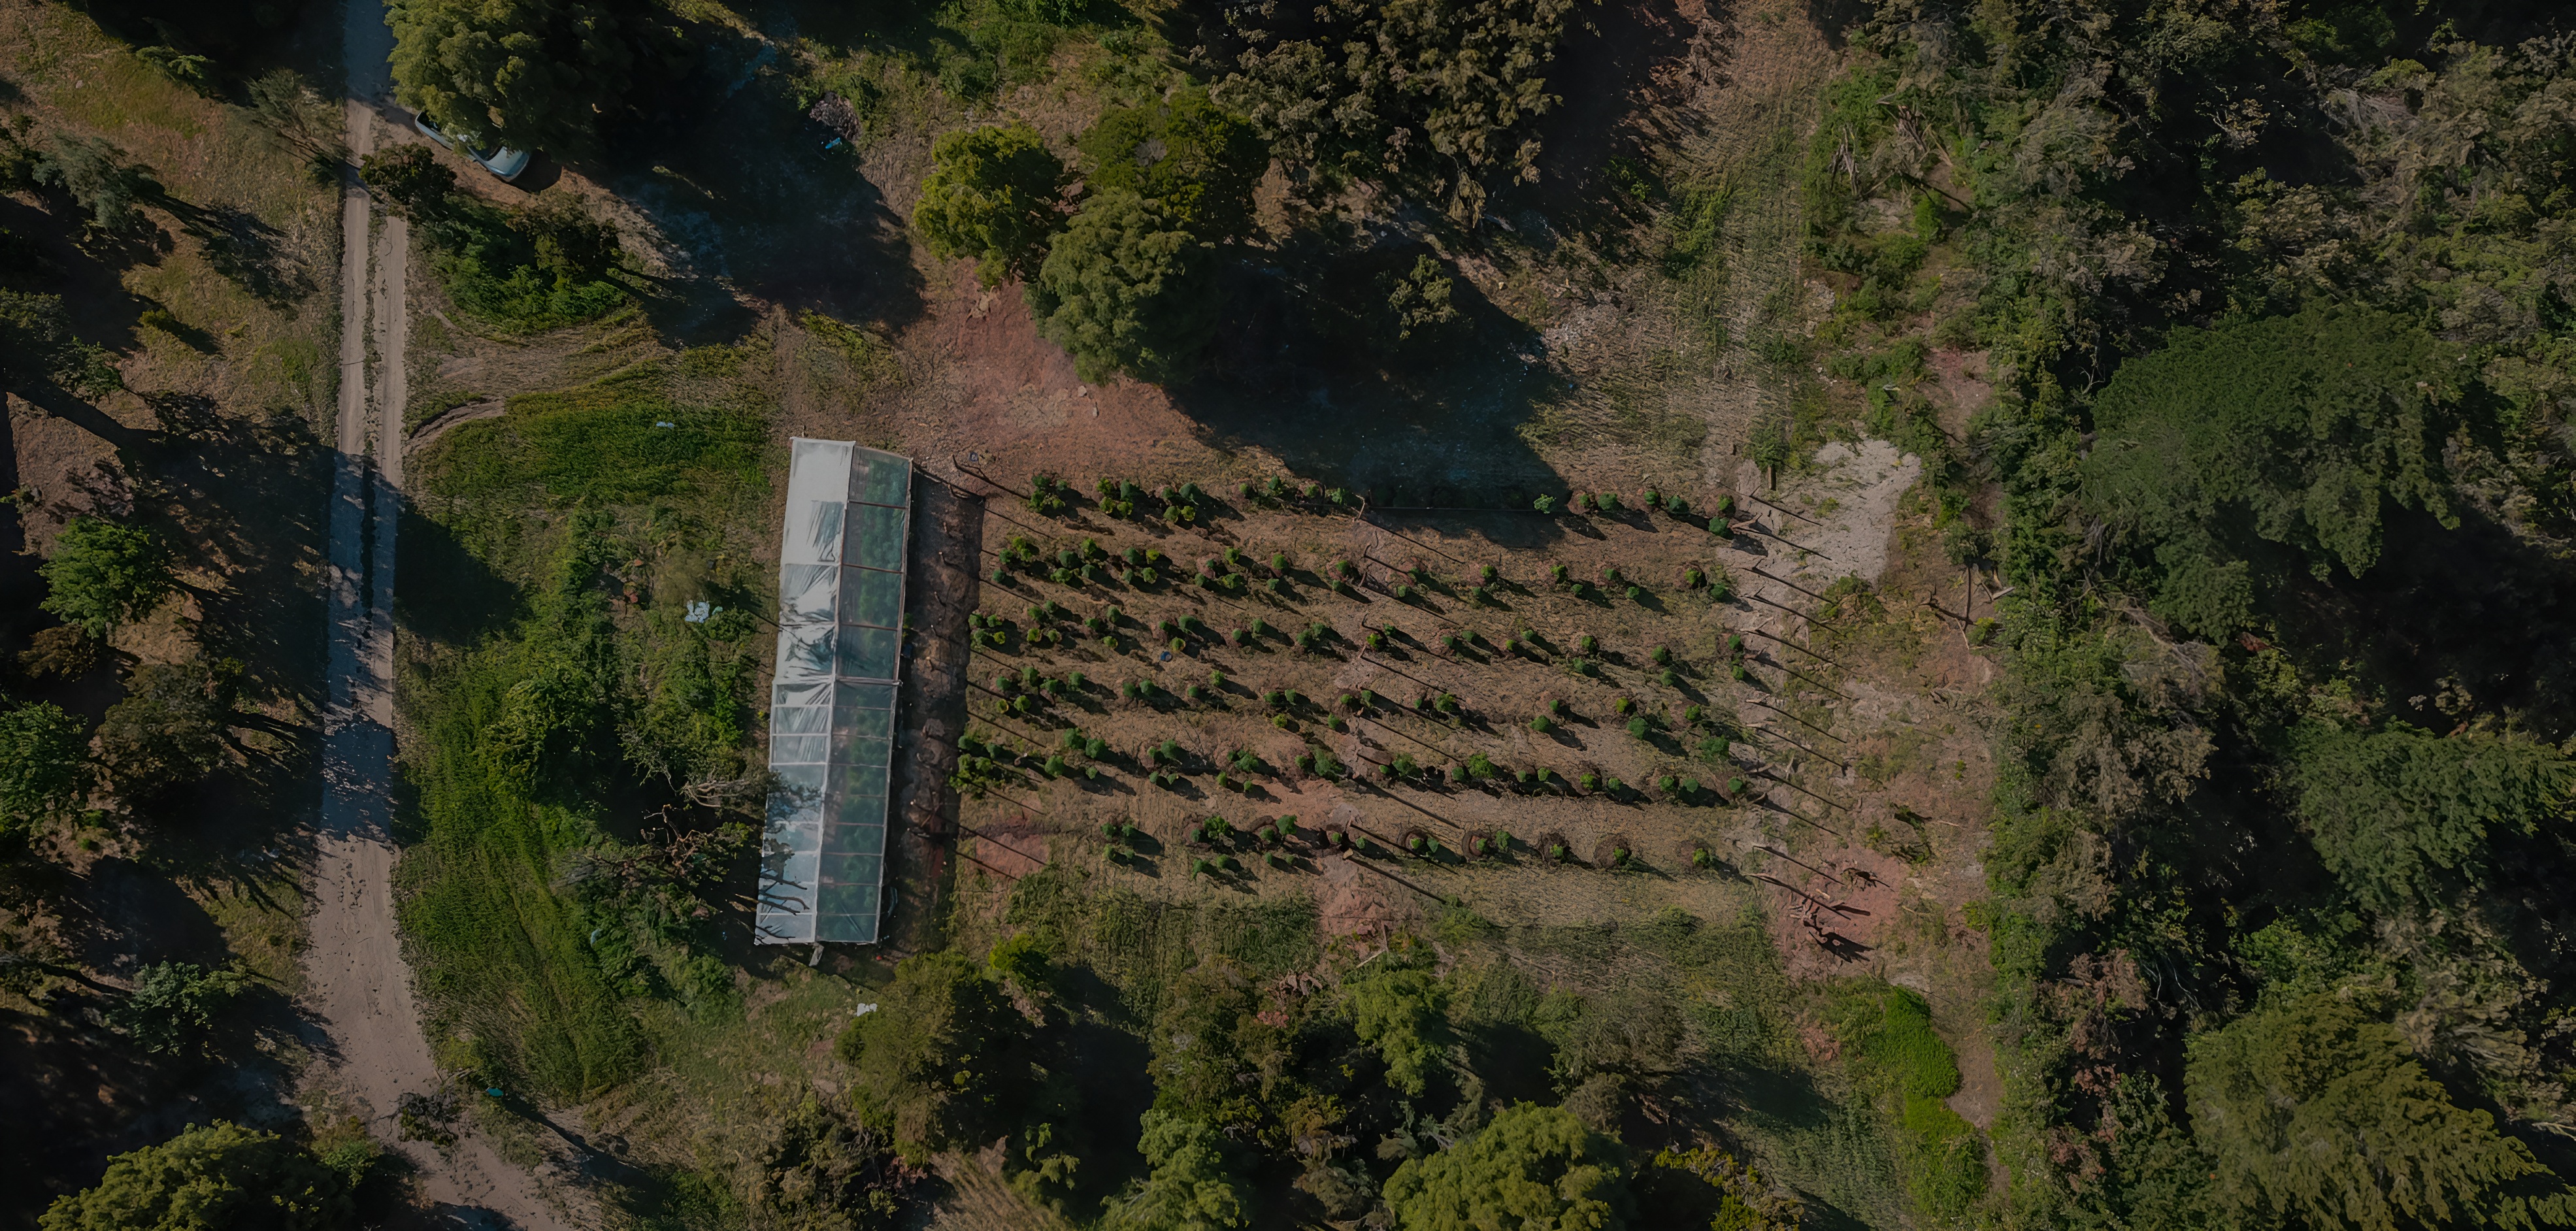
(542, 914)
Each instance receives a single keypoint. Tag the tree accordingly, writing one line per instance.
(168, 730)
(1532, 1169)
(1418, 301)
(99, 180)
(532, 74)
(2314, 1112)
(824, 1171)
(1126, 291)
(2403, 816)
(292, 111)
(943, 1055)
(38, 348)
(410, 181)
(1399, 1012)
(43, 764)
(173, 1004)
(216, 1177)
(1438, 91)
(1215, 1060)
(1183, 153)
(991, 196)
(103, 574)
(1190, 1187)
(2300, 429)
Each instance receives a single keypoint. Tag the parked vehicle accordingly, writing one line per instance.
(504, 162)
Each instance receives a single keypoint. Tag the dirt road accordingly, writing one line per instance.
(357, 984)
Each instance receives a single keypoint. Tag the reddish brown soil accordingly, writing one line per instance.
(1864, 884)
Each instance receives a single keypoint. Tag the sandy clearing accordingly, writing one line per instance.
(1837, 516)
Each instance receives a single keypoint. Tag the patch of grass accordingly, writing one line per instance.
(622, 440)
(1896, 1052)
(1140, 945)
(262, 927)
(507, 965)
(542, 931)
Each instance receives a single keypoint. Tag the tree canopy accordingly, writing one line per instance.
(215, 1177)
(43, 764)
(1532, 1168)
(532, 74)
(1438, 92)
(173, 1004)
(1190, 1186)
(2299, 428)
(1398, 1012)
(2314, 1112)
(1206, 1039)
(169, 730)
(1185, 154)
(1127, 290)
(410, 180)
(103, 574)
(991, 196)
(2403, 816)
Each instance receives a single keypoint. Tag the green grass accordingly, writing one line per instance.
(1896, 1051)
(602, 444)
(1140, 946)
(530, 746)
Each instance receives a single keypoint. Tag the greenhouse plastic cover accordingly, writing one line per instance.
(831, 703)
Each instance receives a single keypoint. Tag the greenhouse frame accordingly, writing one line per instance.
(841, 567)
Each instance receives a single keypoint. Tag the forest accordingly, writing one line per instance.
(1524, 614)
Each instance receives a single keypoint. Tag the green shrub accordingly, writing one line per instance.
(1201, 168)
(1531, 1166)
(1127, 289)
(174, 1005)
(43, 765)
(215, 1176)
(543, 267)
(1898, 1052)
(103, 574)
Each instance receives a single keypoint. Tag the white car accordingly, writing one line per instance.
(505, 162)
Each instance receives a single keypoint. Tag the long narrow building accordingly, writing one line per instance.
(832, 698)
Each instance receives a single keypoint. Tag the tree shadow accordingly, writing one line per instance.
(444, 592)
(92, 286)
(2406, 624)
(724, 168)
(1626, 72)
(1428, 425)
(237, 495)
(246, 251)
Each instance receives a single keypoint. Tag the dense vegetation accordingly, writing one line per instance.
(543, 267)
(533, 76)
(2284, 496)
(546, 731)
(2278, 303)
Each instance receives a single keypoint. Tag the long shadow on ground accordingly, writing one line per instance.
(735, 177)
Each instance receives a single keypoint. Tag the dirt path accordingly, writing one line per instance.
(358, 986)
(488, 408)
